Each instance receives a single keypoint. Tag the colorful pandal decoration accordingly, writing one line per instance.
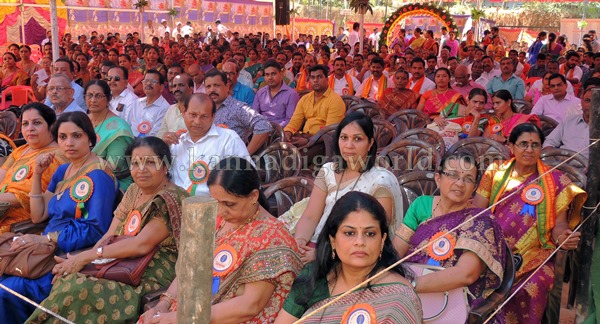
(415, 9)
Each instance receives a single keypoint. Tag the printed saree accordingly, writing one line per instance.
(482, 236)
(389, 303)
(435, 103)
(262, 250)
(85, 299)
(394, 100)
(528, 228)
(18, 180)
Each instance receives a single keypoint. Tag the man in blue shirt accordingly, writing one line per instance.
(239, 91)
(507, 80)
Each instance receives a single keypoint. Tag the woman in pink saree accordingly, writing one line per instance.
(434, 101)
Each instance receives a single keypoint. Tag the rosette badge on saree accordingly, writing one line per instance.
(81, 192)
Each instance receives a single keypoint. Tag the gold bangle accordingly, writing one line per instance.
(166, 296)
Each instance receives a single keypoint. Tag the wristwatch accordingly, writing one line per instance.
(99, 252)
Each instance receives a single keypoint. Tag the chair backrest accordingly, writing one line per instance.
(576, 175)
(351, 100)
(409, 155)
(384, 133)
(553, 156)
(8, 123)
(523, 106)
(370, 109)
(409, 119)
(424, 134)
(20, 96)
(415, 184)
(547, 124)
(283, 194)
(485, 150)
(322, 139)
(276, 135)
(278, 161)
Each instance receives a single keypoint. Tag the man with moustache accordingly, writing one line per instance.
(236, 115)
(489, 72)
(464, 85)
(198, 77)
(341, 82)
(60, 94)
(238, 91)
(173, 124)
(146, 116)
(374, 86)
(199, 149)
(123, 99)
(507, 80)
(418, 82)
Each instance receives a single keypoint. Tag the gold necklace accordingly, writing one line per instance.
(222, 241)
(141, 194)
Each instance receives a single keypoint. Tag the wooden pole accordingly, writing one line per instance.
(588, 232)
(54, 26)
(195, 271)
(22, 16)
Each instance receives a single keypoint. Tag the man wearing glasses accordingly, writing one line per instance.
(146, 116)
(239, 91)
(66, 67)
(123, 99)
(60, 94)
(559, 104)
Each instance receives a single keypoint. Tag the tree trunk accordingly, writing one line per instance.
(361, 33)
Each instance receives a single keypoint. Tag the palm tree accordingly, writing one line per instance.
(361, 7)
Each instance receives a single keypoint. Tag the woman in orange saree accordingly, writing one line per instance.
(17, 171)
(434, 101)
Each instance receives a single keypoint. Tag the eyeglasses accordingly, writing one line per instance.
(150, 81)
(111, 78)
(525, 145)
(96, 96)
(50, 89)
(455, 178)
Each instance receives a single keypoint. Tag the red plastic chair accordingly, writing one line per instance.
(21, 95)
(531, 80)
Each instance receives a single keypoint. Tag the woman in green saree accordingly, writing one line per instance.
(113, 133)
(150, 214)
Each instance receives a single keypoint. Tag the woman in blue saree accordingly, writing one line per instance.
(77, 204)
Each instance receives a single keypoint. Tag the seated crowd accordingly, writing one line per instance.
(121, 132)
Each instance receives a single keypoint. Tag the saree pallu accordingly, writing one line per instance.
(504, 128)
(393, 100)
(19, 77)
(85, 299)
(390, 303)
(436, 103)
(18, 180)
(113, 137)
(466, 122)
(253, 70)
(529, 235)
(265, 251)
(482, 236)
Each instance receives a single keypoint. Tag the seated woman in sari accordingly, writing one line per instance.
(150, 214)
(536, 215)
(11, 74)
(399, 97)
(78, 205)
(534, 94)
(476, 255)
(114, 133)
(353, 246)
(353, 170)
(253, 66)
(472, 118)
(507, 117)
(434, 101)
(257, 238)
(17, 171)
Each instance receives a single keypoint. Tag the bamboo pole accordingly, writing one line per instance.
(54, 26)
(586, 246)
(195, 260)
(23, 38)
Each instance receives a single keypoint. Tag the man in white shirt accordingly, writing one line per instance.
(221, 29)
(571, 69)
(198, 77)
(341, 82)
(60, 94)
(374, 86)
(188, 30)
(123, 99)
(489, 72)
(245, 77)
(418, 82)
(150, 31)
(147, 115)
(353, 38)
(173, 125)
(374, 38)
(559, 104)
(203, 146)
(163, 28)
(443, 38)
